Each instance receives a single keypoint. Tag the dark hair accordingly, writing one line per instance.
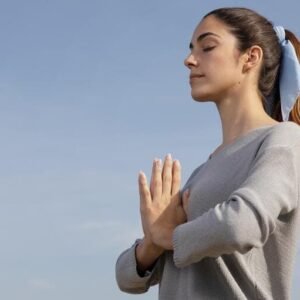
(250, 28)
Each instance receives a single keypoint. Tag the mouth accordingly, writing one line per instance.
(195, 76)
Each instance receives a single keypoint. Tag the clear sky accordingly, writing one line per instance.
(90, 92)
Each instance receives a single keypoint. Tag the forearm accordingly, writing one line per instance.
(231, 226)
(248, 217)
(147, 254)
(128, 278)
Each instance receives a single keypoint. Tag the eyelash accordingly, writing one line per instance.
(208, 49)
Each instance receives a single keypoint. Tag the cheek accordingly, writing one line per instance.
(223, 72)
(221, 65)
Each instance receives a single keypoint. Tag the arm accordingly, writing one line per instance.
(146, 256)
(248, 217)
(161, 211)
(128, 276)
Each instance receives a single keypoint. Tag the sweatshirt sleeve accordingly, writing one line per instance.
(127, 276)
(248, 217)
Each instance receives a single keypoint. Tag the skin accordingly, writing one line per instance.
(230, 79)
(220, 73)
(161, 210)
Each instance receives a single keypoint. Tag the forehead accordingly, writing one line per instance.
(213, 25)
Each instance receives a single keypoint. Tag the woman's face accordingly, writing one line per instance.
(214, 61)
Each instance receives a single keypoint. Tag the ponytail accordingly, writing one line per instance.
(295, 112)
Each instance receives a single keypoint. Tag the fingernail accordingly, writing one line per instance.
(156, 161)
(177, 162)
(141, 176)
(169, 156)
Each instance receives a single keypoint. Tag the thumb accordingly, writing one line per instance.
(185, 199)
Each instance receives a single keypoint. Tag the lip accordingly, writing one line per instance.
(192, 76)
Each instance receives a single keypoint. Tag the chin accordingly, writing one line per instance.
(201, 97)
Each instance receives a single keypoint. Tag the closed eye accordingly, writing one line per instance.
(208, 48)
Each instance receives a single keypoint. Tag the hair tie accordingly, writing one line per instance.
(289, 76)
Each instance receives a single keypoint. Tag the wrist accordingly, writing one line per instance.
(147, 254)
(148, 248)
(163, 238)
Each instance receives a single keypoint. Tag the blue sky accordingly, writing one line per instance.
(90, 92)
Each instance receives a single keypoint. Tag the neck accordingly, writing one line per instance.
(240, 114)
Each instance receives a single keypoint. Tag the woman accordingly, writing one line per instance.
(231, 232)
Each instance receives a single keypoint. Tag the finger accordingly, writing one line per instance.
(185, 199)
(167, 175)
(152, 177)
(145, 196)
(176, 182)
(156, 181)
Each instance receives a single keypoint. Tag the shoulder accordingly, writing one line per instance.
(283, 134)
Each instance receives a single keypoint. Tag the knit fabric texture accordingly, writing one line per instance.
(240, 239)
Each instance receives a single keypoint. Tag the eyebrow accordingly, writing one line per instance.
(203, 36)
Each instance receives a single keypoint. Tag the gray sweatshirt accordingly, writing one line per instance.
(240, 239)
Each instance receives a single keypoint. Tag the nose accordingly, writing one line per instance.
(190, 61)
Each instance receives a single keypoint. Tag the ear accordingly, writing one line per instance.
(252, 58)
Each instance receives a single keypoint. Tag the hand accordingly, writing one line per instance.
(160, 205)
(185, 200)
